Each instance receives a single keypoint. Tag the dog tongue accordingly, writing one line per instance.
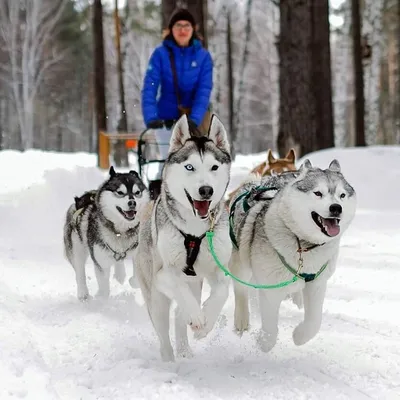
(332, 227)
(202, 207)
(130, 213)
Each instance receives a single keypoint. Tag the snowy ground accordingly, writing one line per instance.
(53, 347)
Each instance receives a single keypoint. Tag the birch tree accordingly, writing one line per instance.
(27, 28)
(372, 30)
(343, 79)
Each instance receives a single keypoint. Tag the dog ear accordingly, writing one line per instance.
(270, 157)
(112, 172)
(180, 134)
(291, 156)
(218, 135)
(134, 173)
(305, 166)
(334, 166)
(273, 172)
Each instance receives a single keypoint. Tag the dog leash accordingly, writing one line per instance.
(210, 236)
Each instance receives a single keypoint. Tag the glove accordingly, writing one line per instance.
(156, 124)
(169, 123)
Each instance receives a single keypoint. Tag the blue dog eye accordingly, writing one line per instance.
(189, 167)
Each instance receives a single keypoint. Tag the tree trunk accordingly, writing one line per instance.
(230, 80)
(322, 74)
(199, 10)
(305, 110)
(397, 96)
(121, 154)
(167, 8)
(359, 101)
(244, 60)
(99, 72)
(2, 120)
(297, 122)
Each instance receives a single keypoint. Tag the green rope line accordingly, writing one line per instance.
(209, 236)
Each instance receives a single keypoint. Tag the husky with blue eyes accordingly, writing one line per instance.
(104, 224)
(173, 255)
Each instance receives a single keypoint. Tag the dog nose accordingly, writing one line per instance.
(335, 209)
(132, 203)
(206, 191)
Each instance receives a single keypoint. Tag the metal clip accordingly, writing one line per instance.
(300, 262)
(212, 221)
(119, 256)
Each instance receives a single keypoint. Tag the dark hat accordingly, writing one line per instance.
(182, 14)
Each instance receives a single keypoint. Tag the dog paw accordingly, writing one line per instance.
(83, 295)
(202, 333)
(266, 341)
(241, 323)
(84, 298)
(303, 333)
(197, 322)
(167, 354)
(184, 352)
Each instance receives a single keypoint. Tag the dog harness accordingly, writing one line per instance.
(192, 246)
(244, 197)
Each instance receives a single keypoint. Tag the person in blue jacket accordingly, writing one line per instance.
(161, 104)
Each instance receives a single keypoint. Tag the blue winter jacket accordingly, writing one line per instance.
(194, 70)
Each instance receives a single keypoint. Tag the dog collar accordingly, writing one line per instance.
(306, 277)
(118, 256)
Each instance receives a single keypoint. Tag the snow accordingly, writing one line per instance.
(53, 347)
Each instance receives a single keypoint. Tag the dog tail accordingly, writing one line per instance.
(67, 232)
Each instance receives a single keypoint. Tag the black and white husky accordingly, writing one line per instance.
(173, 255)
(104, 225)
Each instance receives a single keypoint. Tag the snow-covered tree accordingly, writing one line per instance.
(27, 28)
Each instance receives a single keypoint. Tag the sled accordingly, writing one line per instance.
(148, 154)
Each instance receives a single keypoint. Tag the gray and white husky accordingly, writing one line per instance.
(106, 228)
(288, 226)
(173, 255)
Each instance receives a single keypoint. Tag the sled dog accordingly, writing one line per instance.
(272, 166)
(103, 224)
(173, 255)
(285, 227)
